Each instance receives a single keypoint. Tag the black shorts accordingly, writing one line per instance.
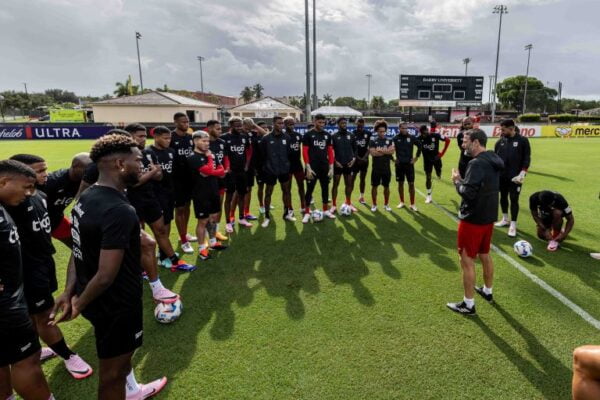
(296, 166)
(118, 334)
(272, 179)
(405, 171)
(167, 205)
(360, 166)
(344, 170)
(183, 191)
(38, 300)
(207, 205)
(381, 178)
(149, 210)
(250, 175)
(429, 165)
(260, 178)
(237, 182)
(18, 343)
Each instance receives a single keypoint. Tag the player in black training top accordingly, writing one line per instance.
(254, 132)
(466, 124)
(205, 173)
(19, 345)
(61, 187)
(515, 151)
(275, 150)
(432, 157)
(405, 144)
(317, 151)
(217, 148)
(382, 150)
(361, 165)
(549, 210)
(181, 142)
(296, 167)
(39, 272)
(107, 286)
(239, 152)
(344, 149)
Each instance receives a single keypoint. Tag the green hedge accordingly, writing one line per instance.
(573, 118)
(530, 118)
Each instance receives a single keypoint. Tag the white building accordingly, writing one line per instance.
(266, 107)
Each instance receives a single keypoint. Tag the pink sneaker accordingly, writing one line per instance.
(164, 295)
(352, 208)
(46, 354)
(243, 222)
(552, 245)
(78, 368)
(148, 390)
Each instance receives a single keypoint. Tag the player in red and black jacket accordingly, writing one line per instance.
(432, 156)
(317, 151)
(255, 132)
(217, 148)
(296, 168)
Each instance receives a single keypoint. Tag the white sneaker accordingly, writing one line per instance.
(46, 354)
(191, 238)
(306, 218)
(401, 205)
(512, 229)
(502, 223)
(187, 248)
(244, 223)
(595, 256)
(261, 210)
(414, 208)
(374, 208)
(387, 208)
(428, 199)
(552, 245)
(333, 209)
(328, 214)
(290, 216)
(352, 208)
(229, 227)
(265, 223)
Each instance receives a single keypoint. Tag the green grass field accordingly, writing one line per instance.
(355, 308)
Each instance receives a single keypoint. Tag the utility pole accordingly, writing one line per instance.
(528, 48)
(490, 91)
(558, 106)
(499, 9)
(27, 96)
(138, 36)
(307, 99)
(200, 59)
(315, 97)
(369, 76)
(466, 61)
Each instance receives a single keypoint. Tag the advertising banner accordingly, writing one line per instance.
(66, 115)
(568, 131)
(52, 131)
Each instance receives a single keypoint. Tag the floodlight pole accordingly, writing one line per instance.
(528, 48)
(369, 76)
(138, 36)
(307, 98)
(499, 9)
(466, 61)
(315, 98)
(200, 59)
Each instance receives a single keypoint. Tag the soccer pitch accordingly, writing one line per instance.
(355, 308)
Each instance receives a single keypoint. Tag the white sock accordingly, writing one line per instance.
(212, 241)
(505, 217)
(131, 385)
(13, 397)
(49, 398)
(429, 191)
(202, 247)
(469, 302)
(487, 290)
(156, 285)
(216, 227)
(513, 223)
(362, 195)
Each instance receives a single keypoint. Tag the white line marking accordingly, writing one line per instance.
(537, 280)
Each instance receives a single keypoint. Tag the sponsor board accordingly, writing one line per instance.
(51, 131)
(567, 131)
(12, 132)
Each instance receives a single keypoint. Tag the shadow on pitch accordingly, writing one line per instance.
(543, 174)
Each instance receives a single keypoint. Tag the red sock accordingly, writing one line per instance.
(348, 200)
(232, 215)
(386, 198)
(183, 238)
(374, 198)
(325, 207)
(412, 198)
(246, 211)
(306, 210)
(335, 201)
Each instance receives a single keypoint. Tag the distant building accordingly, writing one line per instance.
(226, 101)
(336, 111)
(152, 107)
(267, 107)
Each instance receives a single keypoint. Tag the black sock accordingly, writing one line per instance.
(61, 349)
(161, 255)
(174, 259)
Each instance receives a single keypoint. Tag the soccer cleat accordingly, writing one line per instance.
(502, 223)
(164, 295)
(147, 390)
(552, 245)
(387, 208)
(333, 209)
(290, 216)
(165, 263)
(306, 218)
(220, 236)
(187, 248)
(46, 354)
(374, 208)
(329, 214)
(487, 297)
(461, 308)
(183, 266)
(414, 208)
(250, 217)
(191, 238)
(401, 205)
(271, 207)
(78, 368)
(512, 229)
(243, 222)
(228, 228)
(595, 256)
(265, 223)
(361, 200)
(261, 210)
(218, 246)
(352, 208)
(428, 199)
(203, 254)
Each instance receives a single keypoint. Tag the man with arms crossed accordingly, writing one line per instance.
(361, 165)
(344, 148)
(404, 144)
(296, 168)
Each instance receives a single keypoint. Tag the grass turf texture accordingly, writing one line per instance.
(355, 308)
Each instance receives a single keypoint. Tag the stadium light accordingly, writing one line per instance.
(200, 58)
(499, 9)
(369, 76)
(138, 36)
(306, 33)
(466, 61)
(528, 48)
(315, 97)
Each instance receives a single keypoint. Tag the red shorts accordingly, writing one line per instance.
(474, 239)
(62, 230)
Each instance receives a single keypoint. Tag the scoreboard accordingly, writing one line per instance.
(440, 91)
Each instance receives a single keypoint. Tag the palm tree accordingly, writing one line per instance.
(247, 94)
(126, 89)
(295, 102)
(327, 99)
(377, 102)
(258, 91)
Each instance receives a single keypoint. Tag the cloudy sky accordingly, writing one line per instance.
(88, 45)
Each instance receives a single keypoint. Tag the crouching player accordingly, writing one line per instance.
(548, 210)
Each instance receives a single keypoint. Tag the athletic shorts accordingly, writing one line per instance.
(381, 178)
(38, 300)
(207, 205)
(237, 182)
(429, 165)
(298, 174)
(18, 343)
(474, 239)
(250, 175)
(360, 166)
(149, 210)
(296, 166)
(118, 334)
(344, 170)
(260, 177)
(405, 171)
(183, 191)
(272, 179)
(62, 230)
(167, 205)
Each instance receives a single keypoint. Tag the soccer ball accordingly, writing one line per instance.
(317, 215)
(523, 248)
(345, 210)
(168, 313)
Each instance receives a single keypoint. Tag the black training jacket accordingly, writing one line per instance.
(275, 152)
(516, 154)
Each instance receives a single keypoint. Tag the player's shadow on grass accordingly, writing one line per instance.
(439, 239)
(545, 175)
(551, 373)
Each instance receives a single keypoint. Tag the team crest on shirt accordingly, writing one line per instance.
(149, 157)
(171, 156)
(283, 141)
(221, 147)
(515, 144)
